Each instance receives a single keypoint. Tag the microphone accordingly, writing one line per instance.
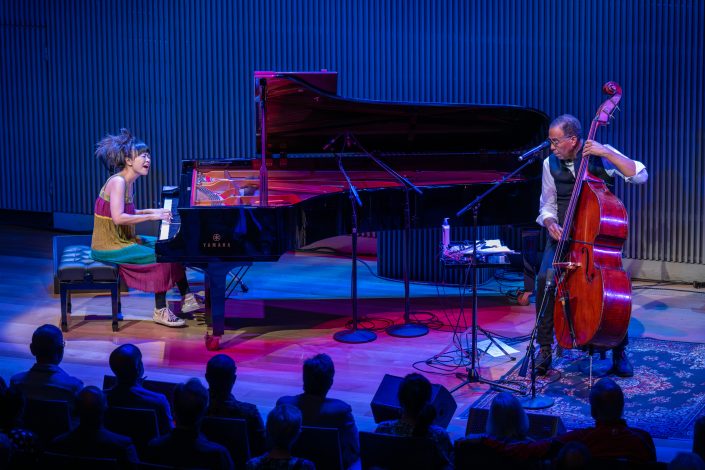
(546, 143)
(355, 195)
(331, 142)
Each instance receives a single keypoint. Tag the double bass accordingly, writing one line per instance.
(593, 292)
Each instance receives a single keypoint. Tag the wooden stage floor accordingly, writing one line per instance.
(291, 312)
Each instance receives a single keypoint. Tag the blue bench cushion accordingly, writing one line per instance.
(76, 265)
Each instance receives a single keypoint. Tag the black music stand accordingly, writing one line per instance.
(473, 375)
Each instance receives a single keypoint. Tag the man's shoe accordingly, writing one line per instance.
(190, 304)
(621, 367)
(524, 297)
(544, 361)
(166, 317)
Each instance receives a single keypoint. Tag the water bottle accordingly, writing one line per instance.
(445, 230)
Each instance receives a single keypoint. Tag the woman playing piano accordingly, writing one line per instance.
(115, 216)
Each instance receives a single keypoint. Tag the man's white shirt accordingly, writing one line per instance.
(548, 202)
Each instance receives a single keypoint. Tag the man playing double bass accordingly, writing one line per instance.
(565, 136)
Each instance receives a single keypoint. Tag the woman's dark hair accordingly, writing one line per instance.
(318, 374)
(415, 399)
(283, 426)
(507, 420)
(114, 150)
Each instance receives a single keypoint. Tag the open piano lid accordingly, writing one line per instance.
(303, 114)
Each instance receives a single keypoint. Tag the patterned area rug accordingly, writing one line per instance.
(665, 396)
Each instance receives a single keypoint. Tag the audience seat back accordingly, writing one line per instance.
(230, 433)
(624, 464)
(165, 388)
(396, 452)
(47, 418)
(471, 453)
(138, 424)
(58, 461)
(321, 446)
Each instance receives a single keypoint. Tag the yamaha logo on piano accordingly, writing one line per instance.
(216, 242)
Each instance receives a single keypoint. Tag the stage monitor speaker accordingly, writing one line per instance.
(385, 404)
(540, 426)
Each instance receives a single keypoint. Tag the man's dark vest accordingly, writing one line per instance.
(565, 180)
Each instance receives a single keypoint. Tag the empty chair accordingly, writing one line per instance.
(230, 433)
(138, 424)
(319, 445)
(47, 418)
(396, 452)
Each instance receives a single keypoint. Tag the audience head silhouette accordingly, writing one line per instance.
(686, 461)
(414, 397)
(126, 364)
(90, 407)
(190, 403)
(283, 426)
(221, 373)
(507, 420)
(47, 344)
(318, 374)
(606, 400)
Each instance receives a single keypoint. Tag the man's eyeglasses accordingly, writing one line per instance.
(555, 142)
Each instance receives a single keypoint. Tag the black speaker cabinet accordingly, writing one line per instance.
(385, 405)
(540, 426)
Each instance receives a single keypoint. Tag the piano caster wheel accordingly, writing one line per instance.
(212, 342)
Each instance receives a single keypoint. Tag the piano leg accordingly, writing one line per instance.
(215, 276)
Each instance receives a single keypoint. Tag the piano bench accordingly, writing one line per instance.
(75, 270)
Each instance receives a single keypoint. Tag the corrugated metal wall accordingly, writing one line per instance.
(179, 74)
(26, 162)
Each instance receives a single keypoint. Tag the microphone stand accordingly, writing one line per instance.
(534, 402)
(408, 329)
(473, 374)
(353, 335)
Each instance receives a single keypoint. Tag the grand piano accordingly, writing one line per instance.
(231, 213)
